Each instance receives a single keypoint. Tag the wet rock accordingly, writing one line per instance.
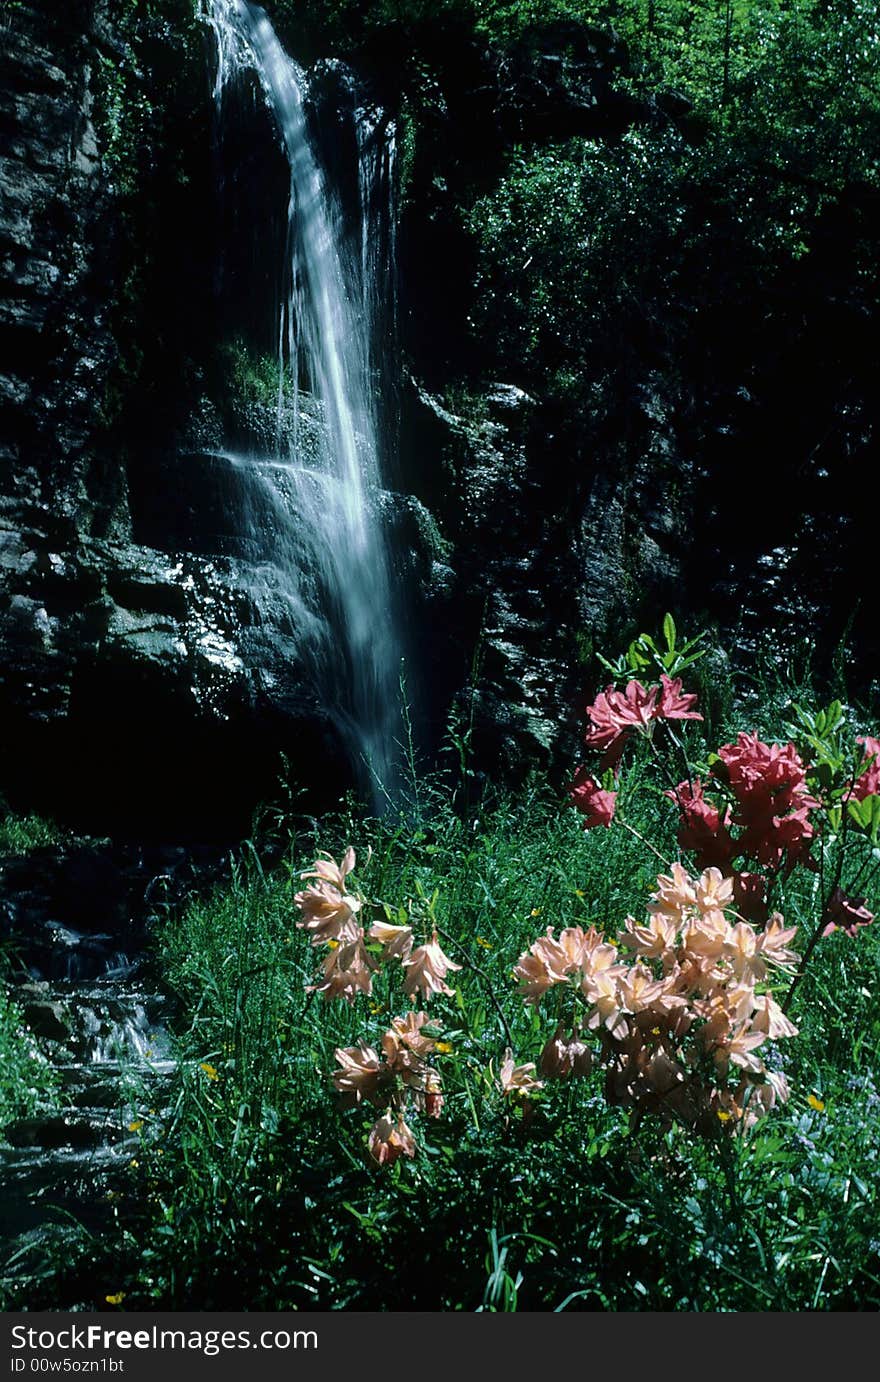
(52, 1132)
(47, 1020)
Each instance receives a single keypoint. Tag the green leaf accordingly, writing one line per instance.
(669, 632)
(866, 814)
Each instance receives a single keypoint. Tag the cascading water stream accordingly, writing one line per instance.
(329, 554)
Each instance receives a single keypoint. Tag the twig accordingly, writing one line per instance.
(481, 973)
(647, 843)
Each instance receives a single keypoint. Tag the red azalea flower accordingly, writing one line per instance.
(846, 914)
(595, 804)
(703, 828)
(769, 782)
(674, 705)
(868, 784)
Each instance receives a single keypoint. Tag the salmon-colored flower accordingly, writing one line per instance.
(597, 806)
(739, 1049)
(396, 941)
(714, 892)
(545, 963)
(653, 940)
(327, 914)
(742, 951)
(409, 1068)
(770, 1019)
(518, 1080)
(426, 970)
(565, 1056)
(662, 1073)
(775, 1089)
(347, 971)
(329, 871)
(390, 1138)
(600, 991)
(773, 942)
(705, 937)
(409, 1030)
(361, 1072)
(637, 988)
(675, 895)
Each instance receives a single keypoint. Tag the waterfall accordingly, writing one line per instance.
(313, 509)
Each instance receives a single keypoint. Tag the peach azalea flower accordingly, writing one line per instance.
(409, 1030)
(518, 1079)
(327, 914)
(652, 940)
(565, 1056)
(773, 942)
(675, 894)
(390, 1139)
(360, 1073)
(714, 892)
(771, 1020)
(426, 970)
(347, 971)
(329, 871)
(396, 941)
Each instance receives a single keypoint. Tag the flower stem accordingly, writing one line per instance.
(481, 974)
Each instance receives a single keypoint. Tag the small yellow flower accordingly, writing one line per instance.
(444, 1048)
(723, 1116)
(117, 1299)
(487, 945)
(655, 1031)
(134, 1162)
(136, 1125)
(333, 945)
(816, 1103)
(535, 912)
(209, 1070)
(579, 892)
(375, 1008)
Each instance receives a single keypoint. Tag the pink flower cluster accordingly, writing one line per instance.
(329, 916)
(680, 1019)
(398, 1075)
(771, 809)
(614, 717)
